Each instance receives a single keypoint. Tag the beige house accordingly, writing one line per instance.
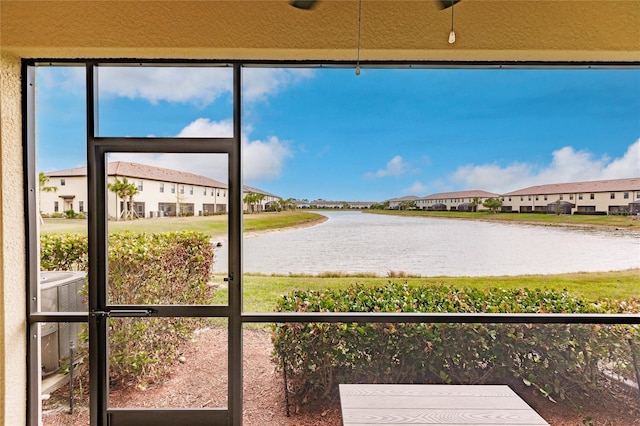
(489, 33)
(458, 200)
(604, 196)
(161, 192)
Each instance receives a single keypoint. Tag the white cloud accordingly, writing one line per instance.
(567, 165)
(203, 127)
(395, 167)
(260, 159)
(418, 189)
(258, 83)
(196, 85)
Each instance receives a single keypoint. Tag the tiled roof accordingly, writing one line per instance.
(461, 194)
(143, 171)
(631, 184)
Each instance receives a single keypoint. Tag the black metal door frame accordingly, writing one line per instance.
(99, 308)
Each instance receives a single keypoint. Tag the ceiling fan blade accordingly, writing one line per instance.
(444, 4)
(304, 4)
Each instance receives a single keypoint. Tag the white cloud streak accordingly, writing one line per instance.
(567, 165)
(200, 86)
(395, 167)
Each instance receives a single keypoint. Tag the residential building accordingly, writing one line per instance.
(394, 203)
(161, 192)
(457, 200)
(614, 196)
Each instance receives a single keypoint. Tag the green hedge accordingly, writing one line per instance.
(555, 360)
(167, 268)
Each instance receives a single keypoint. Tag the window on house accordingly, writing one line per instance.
(612, 196)
(139, 185)
(536, 198)
(626, 196)
(191, 190)
(579, 196)
(592, 196)
(561, 197)
(545, 198)
(529, 198)
(161, 187)
(81, 206)
(182, 189)
(571, 196)
(56, 207)
(63, 182)
(173, 188)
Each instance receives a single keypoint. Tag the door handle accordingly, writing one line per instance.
(123, 313)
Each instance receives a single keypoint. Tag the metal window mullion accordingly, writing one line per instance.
(235, 258)
(97, 254)
(34, 407)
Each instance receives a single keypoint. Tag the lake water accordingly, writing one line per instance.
(355, 242)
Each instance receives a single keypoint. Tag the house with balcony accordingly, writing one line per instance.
(161, 192)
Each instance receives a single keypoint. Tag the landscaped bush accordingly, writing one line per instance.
(554, 359)
(168, 268)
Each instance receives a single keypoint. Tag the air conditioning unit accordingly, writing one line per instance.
(60, 291)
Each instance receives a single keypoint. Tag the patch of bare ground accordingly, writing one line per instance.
(201, 381)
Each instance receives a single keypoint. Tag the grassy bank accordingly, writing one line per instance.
(621, 222)
(210, 225)
(261, 292)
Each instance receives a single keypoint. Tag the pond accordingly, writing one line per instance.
(356, 242)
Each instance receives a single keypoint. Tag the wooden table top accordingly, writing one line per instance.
(368, 404)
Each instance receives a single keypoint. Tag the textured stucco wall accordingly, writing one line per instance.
(498, 30)
(12, 253)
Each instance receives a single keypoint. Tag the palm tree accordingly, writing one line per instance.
(125, 190)
(43, 181)
(43, 186)
(252, 199)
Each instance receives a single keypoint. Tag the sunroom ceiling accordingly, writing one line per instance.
(486, 30)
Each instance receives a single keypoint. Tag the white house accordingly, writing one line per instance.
(614, 196)
(458, 200)
(161, 192)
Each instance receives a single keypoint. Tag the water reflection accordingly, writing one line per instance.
(355, 242)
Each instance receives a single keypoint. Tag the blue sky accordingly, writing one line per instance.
(327, 133)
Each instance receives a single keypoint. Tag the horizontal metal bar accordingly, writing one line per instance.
(212, 311)
(59, 317)
(359, 317)
(164, 145)
(416, 317)
(167, 416)
(311, 63)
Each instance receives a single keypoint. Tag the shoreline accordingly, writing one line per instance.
(605, 227)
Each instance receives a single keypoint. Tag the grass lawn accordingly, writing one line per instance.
(261, 291)
(210, 225)
(631, 222)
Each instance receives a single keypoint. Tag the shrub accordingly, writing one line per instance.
(168, 268)
(552, 358)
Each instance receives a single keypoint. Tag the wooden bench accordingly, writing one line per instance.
(369, 404)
